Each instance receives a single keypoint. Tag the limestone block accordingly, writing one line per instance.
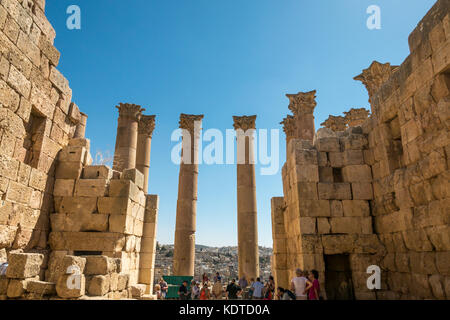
(38, 179)
(314, 208)
(362, 191)
(323, 226)
(436, 284)
(19, 193)
(355, 142)
(138, 227)
(306, 173)
(41, 287)
(152, 201)
(80, 142)
(322, 159)
(91, 188)
(100, 265)
(74, 113)
(326, 174)
(328, 144)
(443, 263)
(99, 285)
(305, 157)
(19, 82)
(334, 191)
(87, 241)
(72, 154)
(336, 159)
(345, 225)
(439, 237)
(338, 244)
(114, 281)
(114, 205)
(49, 50)
(356, 208)
(353, 157)
(138, 290)
(134, 175)
(64, 187)
(68, 170)
(78, 205)
(16, 288)
(121, 224)
(124, 189)
(357, 173)
(4, 281)
(336, 208)
(307, 190)
(69, 287)
(24, 265)
(97, 172)
(307, 225)
(59, 80)
(122, 282)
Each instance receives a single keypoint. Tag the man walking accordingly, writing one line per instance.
(232, 290)
(183, 292)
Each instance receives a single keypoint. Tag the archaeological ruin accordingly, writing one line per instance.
(373, 189)
(370, 188)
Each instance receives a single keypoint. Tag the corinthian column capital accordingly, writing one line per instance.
(356, 117)
(334, 123)
(244, 122)
(289, 126)
(374, 76)
(128, 110)
(187, 121)
(302, 102)
(146, 125)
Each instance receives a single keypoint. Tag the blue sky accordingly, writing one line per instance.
(221, 58)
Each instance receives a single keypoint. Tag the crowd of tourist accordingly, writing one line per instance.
(304, 286)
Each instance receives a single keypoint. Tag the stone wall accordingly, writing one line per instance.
(378, 193)
(37, 119)
(55, 206)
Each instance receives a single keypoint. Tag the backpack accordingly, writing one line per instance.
(291, 295)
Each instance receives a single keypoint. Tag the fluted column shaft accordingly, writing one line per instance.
(248, 254)
(184, 248)
(80, 129)
(144, 143)
(127, 134)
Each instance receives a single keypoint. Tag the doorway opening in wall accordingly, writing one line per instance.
(337, 175)
(338, 277)
(33, 140)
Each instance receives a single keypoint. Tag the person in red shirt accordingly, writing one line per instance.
(314, 291)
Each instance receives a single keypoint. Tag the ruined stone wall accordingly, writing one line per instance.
(377, 194)
(37, 119)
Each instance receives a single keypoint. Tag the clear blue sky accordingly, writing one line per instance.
(221, 58)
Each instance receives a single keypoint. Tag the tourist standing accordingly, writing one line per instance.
(284, 294)
(205, 278)
(164, 287)
(258, 287)
(243, 284)
(195, 290)
(204, 292)
(300, 285)
(314, 291)
(158, 292)
(183, 293)
(217, 277)
(217, 290)
(232, 290)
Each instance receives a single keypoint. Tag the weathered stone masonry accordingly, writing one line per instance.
(54, 204)
(375, 192)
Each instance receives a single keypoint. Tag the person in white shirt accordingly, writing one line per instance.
(300, 285)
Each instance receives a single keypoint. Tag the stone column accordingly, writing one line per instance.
(356, 117)
(248, 254)
(144, 144)
(148, 243)
(290, 129)
(184, 248)
(127, 133)
(80, 130)
(302, 106)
